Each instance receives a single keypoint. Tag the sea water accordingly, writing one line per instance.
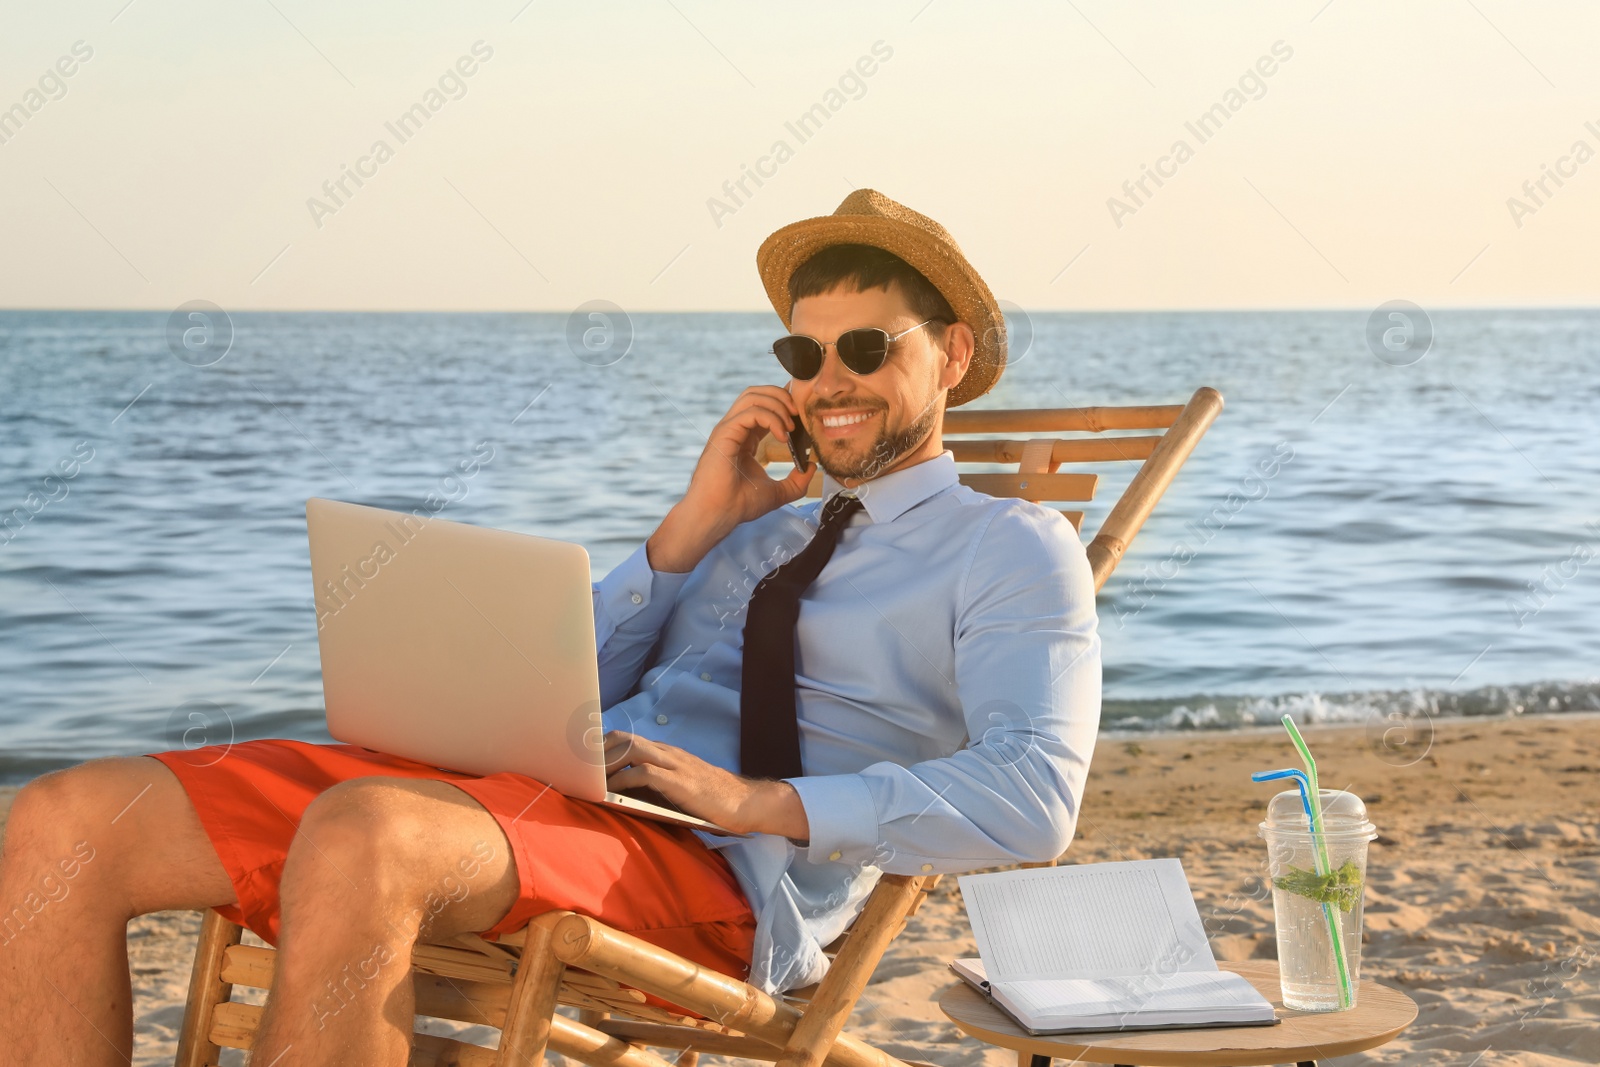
(1351, 540)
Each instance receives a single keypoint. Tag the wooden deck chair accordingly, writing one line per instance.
(562, 958)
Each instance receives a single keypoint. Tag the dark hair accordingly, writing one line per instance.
(864, 267)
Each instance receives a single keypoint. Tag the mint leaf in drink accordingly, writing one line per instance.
(1341, 887)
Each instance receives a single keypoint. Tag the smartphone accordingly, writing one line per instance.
(799, 445)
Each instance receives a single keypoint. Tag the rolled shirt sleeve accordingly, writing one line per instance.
(631, 605)
(1028, 673)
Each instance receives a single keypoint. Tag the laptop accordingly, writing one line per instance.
(464, 648)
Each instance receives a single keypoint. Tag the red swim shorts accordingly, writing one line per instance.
(656, 881)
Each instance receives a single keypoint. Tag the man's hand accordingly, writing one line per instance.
(744, 805)
(728, 486)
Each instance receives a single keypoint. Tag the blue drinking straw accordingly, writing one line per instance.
(1300, 780)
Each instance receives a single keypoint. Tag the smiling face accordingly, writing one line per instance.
(865, 426)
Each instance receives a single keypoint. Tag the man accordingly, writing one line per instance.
(903, 677)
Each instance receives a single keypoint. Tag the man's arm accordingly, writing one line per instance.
(728, 487)
(1027, 672)
(631, 605)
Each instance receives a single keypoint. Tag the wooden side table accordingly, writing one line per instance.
(1303, 1037)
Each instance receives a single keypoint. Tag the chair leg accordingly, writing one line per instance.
(206, 990)
(578, 1042)
(533, 997)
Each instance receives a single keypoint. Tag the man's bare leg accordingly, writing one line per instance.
(377, 862)
(85, 850)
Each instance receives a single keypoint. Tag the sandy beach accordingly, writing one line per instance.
(1482, 900)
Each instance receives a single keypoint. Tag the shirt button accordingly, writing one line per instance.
(835, 854)
(636, 598)
(661, 720)
(927, 866)
(705, 676)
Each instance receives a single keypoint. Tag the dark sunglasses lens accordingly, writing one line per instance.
(800, 356)
(863, 350)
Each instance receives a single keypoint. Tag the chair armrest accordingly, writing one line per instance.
(1147, 487)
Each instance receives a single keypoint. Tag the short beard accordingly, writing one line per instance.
(887, 448)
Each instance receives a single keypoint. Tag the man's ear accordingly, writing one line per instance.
(959, 345)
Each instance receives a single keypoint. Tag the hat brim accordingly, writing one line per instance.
(938, 261)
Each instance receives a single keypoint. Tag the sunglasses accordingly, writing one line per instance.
(862, 350)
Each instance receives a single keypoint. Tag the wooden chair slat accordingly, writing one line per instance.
(429, 1050)
(587, 1045)
(1034, 420)
(1035, 486)
(916, 904)
(699, 1041)
(515, 939)
(233, 1025)
(248, 965)
(586, 981)
(467, 974)
(1027, 486)
(480, 1003)
(578, 998)
(1088, 450)
(478, 944)
(462, 963)
(1037, 457)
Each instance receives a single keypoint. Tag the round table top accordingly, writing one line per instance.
(1380, 1013)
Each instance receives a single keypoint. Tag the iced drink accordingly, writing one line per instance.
(1316, 897)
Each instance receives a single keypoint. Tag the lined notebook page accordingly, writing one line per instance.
(1097, 920)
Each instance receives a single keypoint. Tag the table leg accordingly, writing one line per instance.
(1025, 1059)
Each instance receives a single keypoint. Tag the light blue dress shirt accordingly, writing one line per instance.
(947, 674)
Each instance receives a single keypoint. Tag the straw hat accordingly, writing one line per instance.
(868, 217)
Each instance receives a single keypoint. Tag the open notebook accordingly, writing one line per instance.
(1100, 946)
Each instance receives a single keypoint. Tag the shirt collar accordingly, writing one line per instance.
(891, 495)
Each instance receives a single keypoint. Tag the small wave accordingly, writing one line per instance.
(1238, 712)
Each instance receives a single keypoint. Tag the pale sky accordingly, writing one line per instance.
(580, 158)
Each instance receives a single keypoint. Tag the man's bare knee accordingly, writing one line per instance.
(122, 825)
(66, 813)
(421, 852)
(357, 836)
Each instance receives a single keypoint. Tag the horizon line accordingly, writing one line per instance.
(1131, 310)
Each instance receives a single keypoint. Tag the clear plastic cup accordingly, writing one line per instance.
(1308, 963)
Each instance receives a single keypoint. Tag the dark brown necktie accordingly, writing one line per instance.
(769, 730)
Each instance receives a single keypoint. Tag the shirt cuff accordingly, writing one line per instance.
(842, 814)
(638, 598)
